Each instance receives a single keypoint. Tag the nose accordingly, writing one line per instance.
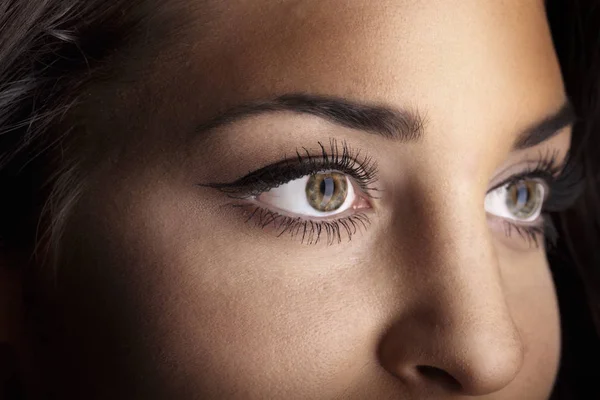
(456, 332)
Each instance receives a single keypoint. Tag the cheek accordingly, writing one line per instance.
(168, 297)
(264, 323)
(262, 334)
(194, 306)
(532, 300)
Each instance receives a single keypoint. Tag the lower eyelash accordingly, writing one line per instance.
(532, 234)
(309, 231)
(566, 184)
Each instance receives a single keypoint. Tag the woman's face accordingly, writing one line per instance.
(399, 260)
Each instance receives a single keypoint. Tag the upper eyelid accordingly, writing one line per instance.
(337, 157)
(547, 178)
(243, 187)
(546, 167)
(307, 163)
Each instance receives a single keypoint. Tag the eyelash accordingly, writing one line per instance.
(565, 183)
(563, 179)
(309, 231)
(339, 157)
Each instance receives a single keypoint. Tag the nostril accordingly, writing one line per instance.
(439, 376)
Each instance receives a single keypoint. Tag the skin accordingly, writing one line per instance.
(162, 291)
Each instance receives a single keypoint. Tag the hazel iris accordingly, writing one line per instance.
(327, 191)
(524, 198)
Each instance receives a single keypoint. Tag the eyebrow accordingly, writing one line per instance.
(401, 125)
(387, 122)
(547, 128)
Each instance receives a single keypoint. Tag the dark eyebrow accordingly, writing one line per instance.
(547, 128)
(397, 124)
(390, 123)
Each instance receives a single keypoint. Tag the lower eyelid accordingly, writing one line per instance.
(514, 233)
(313, 230)
(308, 231)
(327, 218)
(533, 224)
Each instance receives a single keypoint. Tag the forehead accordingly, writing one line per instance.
(467, 64)
(403, 51)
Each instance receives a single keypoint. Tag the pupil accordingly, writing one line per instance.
(522, 196)
(327, 188)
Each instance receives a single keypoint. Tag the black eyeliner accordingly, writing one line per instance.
(336, 157)
(342, 158)
(565, 184)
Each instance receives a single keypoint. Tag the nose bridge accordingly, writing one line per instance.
(458, 321)
(461, 279)
(460, 263)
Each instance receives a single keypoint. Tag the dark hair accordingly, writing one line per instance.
(576, 262)
(50, 49)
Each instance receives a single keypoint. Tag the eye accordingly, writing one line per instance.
(317, 195)
(519, 201)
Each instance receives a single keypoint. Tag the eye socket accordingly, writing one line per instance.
(318, 195)
(519, 201)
